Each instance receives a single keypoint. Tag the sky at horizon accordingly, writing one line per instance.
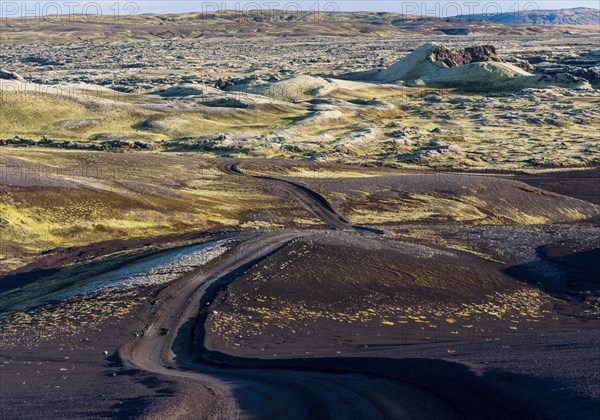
(419, 7)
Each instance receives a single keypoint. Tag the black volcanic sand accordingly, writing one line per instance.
(502, 191)
(543, 369)
(499, 200)
(584, 184)
(533, 374)
(70, 376)
(282, 314)
(378, 292)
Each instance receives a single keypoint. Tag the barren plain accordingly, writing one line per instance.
(368, 216)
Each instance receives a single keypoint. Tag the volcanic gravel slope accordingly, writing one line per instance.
(411, 327)
(151, 269)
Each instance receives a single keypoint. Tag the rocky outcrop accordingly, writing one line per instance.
(70, 144)
(562, 79)
(432, 153)
(223, 84)
(477, 67)
(476, 54)
(10, 75)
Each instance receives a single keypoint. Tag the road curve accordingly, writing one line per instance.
(173, 345)
(311, 199)
(169, 346)
(178, 304)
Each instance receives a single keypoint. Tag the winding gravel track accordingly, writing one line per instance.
(311, 199)
(173, 345)
(169, 346)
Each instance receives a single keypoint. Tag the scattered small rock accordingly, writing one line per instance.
(10, 75)
(223, 84)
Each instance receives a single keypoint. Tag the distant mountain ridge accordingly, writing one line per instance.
(273, 23)
(575, 16)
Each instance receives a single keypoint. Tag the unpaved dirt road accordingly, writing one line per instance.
(169, 346)
(310, 199)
